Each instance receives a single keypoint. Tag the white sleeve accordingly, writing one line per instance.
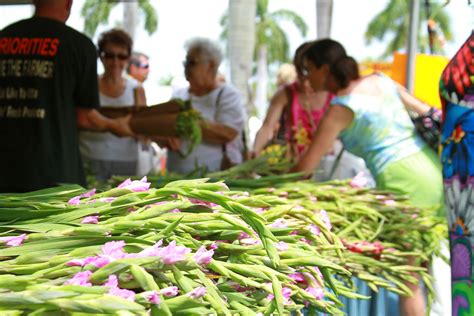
(182, 94)
(231, 108)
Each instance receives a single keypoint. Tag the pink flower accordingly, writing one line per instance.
(75, 200)
(169, 291)
(390, 202)
(197, 292)
(172, 253)
(250, 241)
(13, 241)
(318, 293)
(153, 297)
(279, 223)
(204, 203)
(75, 263)
(203, 256)
(283, 194)
(213, 246)
(80, 278)
(314, 229)
(298, 277)
(88, 194)
(107, 199)
(243, 235)
(176, 210)
(100, 261)
(317, 271)
(281, 246)
(112, 281)
(80, 262)
(94, 219)
(359, 181)
(312, 198)
(305, 241)
(258, 210)
(114, 249)
(135, 185)
(325, 218)
(286, 292)
(149, 252)
(127, 294)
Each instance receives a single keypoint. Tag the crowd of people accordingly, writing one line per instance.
(51, 129)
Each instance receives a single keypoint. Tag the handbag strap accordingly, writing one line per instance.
(336, 163)
(218, 99)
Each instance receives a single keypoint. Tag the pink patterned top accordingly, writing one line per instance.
(301, 122)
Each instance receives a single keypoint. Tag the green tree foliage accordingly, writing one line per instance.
(393, 21)
(97, 12)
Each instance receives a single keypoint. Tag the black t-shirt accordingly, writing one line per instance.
(47, 69)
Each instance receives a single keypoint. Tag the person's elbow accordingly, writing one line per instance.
(83, 119)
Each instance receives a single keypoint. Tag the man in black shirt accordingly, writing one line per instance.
(48, 89)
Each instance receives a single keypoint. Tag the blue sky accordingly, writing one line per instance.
(180, 20)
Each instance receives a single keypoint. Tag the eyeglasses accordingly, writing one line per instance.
(141, 65)
(303, 71)
(108, 55)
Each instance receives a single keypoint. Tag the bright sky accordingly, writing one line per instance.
(180, 20)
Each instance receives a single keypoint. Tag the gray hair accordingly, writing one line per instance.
(207, 48)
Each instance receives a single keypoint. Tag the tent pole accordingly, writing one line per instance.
(412, 43)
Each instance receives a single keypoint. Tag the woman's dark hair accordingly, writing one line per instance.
(342, 68)
(298, 59)
(117, 37)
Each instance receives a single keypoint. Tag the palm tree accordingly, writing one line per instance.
(324, 18)
(97, 12)
(240, 46)
(394, 19)
(271, 43)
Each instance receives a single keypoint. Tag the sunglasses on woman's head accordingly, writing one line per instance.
(141, 65)
(108, 55)
(189, 63)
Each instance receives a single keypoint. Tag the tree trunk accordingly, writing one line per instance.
(323, 18)
(130, 20)
(241, 44)
(262, 82)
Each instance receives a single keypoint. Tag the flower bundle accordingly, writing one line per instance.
(173, 118)
(218, 251)
(191, 247)
(380, 230)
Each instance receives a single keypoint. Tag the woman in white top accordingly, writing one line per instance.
(105, 154)
(221, 106)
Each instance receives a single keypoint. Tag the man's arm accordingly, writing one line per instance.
(91, 119)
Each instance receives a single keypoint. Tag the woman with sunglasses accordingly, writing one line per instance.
(294, 113)
(369, 115)
(105, 154)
